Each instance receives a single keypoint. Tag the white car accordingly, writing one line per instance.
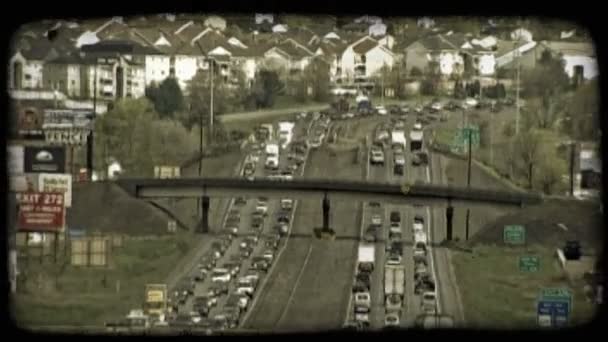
(420, 237)
(245, 286)
(391, 320)
(418, 126)
(262, 206)
(394, 259)
(377, 157)
(381, 110)
(436, 106)
(252, 276)
(376, 220)
(470, 102)
(243, 302)
(395, 228)
(363, 300)
(418, 227)
(316, 142)
(362, 317)
(286, 203)
(195, 317)
(221, 275)
(399, 159)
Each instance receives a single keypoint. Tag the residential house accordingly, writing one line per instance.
(377, 30)
(580, 61)
(436, 49)
(425, 22)
(289, 55)
(521, 34)
(261, 18)
(118, 67)
(362, 58)
(510, 54)
(279, 28)
(215, 22)
(387, 40)
(158, 65)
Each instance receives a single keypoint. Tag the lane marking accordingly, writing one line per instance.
(432, 250)
(349, 308)
(295, 287)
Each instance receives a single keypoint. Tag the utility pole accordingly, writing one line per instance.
(466, 233)
(572, 157)
(91, 135)
(211, 135)
(517, 88)
(383, 71)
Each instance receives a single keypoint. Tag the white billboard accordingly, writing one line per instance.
(15, 160)
(56, 182)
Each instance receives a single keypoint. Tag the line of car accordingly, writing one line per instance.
(230, 279)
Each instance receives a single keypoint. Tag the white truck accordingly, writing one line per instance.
(394, 287)
(366, 258)
(398, 137)
(416, 137)
(285, 133)
(272, 156)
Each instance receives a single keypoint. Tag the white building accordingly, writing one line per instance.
(578, 57)
(26, 73)
(215, 22)
(363, 58)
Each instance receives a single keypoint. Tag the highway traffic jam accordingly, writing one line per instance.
(222, 289)
(394, 280)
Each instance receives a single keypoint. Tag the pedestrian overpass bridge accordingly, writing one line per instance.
(340, 190)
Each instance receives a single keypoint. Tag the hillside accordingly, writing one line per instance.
(105, 207)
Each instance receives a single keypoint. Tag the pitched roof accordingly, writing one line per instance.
(571, 48)
(437, 43)
(364, 46)
(506, 46)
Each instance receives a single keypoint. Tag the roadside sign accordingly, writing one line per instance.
(554, 307)
(40, 212)
(514, 234)
(552, 313)
(529, 264)
(556, 294)
(55, 182)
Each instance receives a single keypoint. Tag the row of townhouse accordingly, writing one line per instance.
(125, 57)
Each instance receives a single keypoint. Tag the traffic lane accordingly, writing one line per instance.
(378, 173)
(451, 301)
(323, 291)
(329, 258)
(272, 296)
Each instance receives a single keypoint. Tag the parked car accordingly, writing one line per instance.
(376, 220)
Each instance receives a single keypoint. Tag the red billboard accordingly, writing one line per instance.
(40, 211)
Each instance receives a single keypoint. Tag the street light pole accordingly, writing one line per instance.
(517, 87)
(211, 135)
(91, 135)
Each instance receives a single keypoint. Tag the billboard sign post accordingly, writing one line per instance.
(44, 159)
(51, 182)
(40, 212)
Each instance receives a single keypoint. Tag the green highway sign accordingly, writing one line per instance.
(556, 294)
(461, 139)
(529, 264)
(514, 234)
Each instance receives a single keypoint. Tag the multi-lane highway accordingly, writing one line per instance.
(308, 285)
